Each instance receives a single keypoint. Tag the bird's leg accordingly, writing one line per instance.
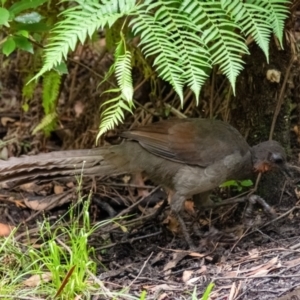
(202, 203)
(268, 210)
(177, 207)
(185, 233)
(137, 179)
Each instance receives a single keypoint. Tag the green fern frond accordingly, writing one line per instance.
(278, 11)
(78, 23)
(51, 85)
(123, 71)
(156, 42)
(180, 54)
(114, 114)
(253, 20)
(28, 91)
(192, 54)
(47, 124)
(258, 18)
(184, 38)
(219, 34)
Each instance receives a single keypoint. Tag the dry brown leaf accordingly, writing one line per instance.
(177, 257)
(36, 204)
(196, 254)
(5, 120)
(48, 202)
(158, 257)
(163, 296)
(231, 274)
(34, 188)
(193, 280)
(58, 189)
(187, 274)
(158, 204)
(18, 203)
(70, 184)
(22, 124)
(253, 255)
(172, 224)
(37, 279)
(189, 206)
(235, 290)
(5, 229)
(262, 269)
(29, 187)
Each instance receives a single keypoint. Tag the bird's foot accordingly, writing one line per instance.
(268, 210)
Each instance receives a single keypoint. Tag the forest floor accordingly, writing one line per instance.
(141, 248)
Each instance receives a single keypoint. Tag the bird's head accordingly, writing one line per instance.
(268, 156)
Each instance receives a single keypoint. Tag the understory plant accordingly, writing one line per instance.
(60, 263)
(181, 39)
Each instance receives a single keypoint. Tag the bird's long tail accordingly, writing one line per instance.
(98, 161)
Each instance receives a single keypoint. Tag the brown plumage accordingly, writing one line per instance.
(189, 156)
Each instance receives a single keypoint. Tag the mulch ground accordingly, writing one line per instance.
(259, 259)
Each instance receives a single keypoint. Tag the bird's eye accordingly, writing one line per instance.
(276, 158)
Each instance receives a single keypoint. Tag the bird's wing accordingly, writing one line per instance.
(191, 141)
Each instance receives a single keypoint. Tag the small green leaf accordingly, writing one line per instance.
(34, 27)
(4, 16)
(143, 295)
(24, 33)
(62, 68)
(29, 18)
(8, 46)
(25, 107)
(37, 37)
(229, 183)
(246, 183)
(208, 291)
(23, 44)
(25, 4)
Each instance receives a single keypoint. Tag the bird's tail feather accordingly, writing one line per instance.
(61, 163)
